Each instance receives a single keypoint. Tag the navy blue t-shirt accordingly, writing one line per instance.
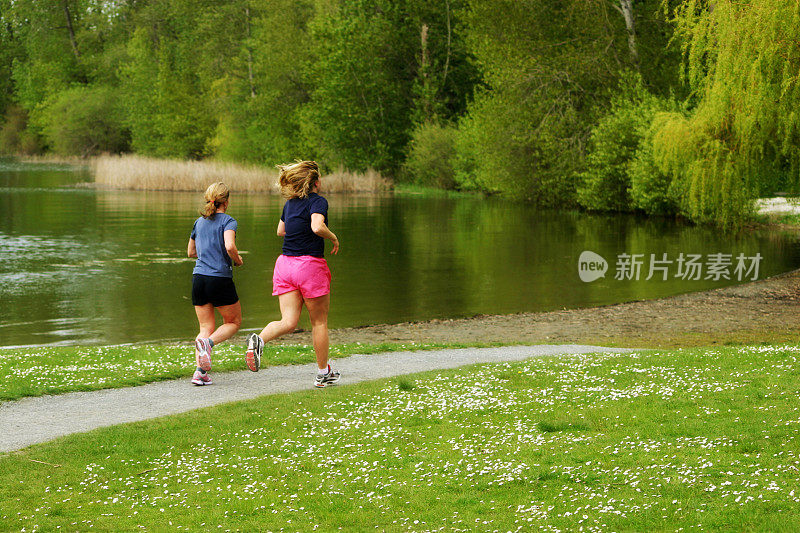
(299, 239)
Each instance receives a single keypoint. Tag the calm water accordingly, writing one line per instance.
(85, 266)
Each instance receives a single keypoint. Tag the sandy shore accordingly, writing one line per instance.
(752, 313)
(778, 205)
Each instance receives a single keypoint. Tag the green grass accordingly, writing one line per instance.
(55, 370)
(412, 189)
(701, 439)
(784, 219)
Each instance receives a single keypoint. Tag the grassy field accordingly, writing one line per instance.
(53, 370)
(696, 439)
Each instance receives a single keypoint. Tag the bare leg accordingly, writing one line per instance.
(205, 317)
(318, 309)
(291, 305)
(232, 320)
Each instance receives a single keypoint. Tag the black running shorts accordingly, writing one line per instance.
(215, 290)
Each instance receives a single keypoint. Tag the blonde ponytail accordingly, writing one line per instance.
(297, 180)
(216, 195)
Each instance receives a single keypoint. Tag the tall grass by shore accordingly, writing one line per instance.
(134, 172)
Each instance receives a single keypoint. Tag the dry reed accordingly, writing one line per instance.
(346, 181)
(133, 172)
(52, 159)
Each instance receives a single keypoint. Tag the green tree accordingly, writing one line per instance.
(84, 121)
(431, 159)
(166, 104)
(379, 67)
(358, 115)
(10, 51)
(48, 36)
(257, 78)
(14, 136)
(54, 46)
(741, 139)
(548, 67)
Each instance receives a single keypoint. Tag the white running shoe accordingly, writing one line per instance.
(323, 380)
(255, 347)
(203, 354)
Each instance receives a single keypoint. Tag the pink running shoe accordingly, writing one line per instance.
(203, 353)
(201, 379)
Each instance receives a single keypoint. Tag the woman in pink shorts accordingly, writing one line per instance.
(301, 273)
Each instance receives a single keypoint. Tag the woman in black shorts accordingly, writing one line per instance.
(213, 243)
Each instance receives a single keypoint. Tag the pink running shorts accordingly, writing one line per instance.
(305, 273)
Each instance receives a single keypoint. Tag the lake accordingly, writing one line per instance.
(84, 266)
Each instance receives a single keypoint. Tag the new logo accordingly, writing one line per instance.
(591, 266)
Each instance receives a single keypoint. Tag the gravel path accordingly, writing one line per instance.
(34, 420)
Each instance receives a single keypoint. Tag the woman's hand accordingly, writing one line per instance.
(238, 261)
(319, 227)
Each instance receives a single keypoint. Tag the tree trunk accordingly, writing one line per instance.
(249, 55)
(626, 9)
(424, 72)
(447, 56)
(71, 30)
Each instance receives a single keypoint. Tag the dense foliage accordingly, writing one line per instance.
(619, 172)
(664, 106)
(741, 138)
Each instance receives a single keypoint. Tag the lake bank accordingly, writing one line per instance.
(765, 311)
(761, 312)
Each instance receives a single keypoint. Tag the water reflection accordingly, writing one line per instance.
(78, 265)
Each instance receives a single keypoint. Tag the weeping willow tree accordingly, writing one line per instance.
(741, 62)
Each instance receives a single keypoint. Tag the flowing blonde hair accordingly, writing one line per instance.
(216, 195)
(297, 179)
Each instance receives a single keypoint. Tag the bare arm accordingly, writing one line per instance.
(319, 227)
(281, 229)
(192, 249)
(230, 247)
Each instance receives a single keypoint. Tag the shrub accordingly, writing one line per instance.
(432, 156)
(651, 189)
(612, 145)
(466, 147)
(607, 183)
(83, 121)
(14, 137)
(500, 152)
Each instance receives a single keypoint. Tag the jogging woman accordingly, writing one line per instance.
(301, 275)
(213, 243)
